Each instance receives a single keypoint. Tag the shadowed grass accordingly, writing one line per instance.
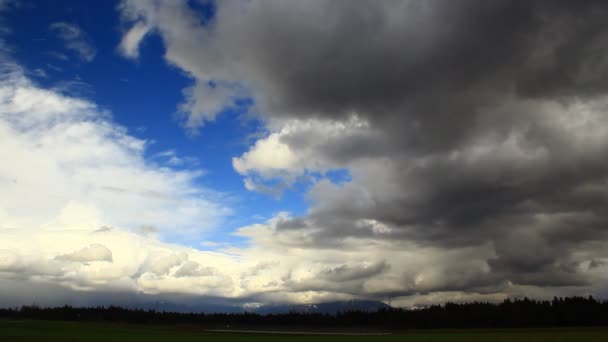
(108, 332)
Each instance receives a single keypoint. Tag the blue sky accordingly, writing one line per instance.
(143, 96)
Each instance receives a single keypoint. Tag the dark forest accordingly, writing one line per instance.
(511, 313)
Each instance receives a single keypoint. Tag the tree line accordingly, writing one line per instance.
(511, 313)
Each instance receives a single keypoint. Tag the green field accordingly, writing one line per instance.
(77, 331)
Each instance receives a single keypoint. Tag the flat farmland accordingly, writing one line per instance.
(38, 331)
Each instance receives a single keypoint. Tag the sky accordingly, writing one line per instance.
(250, 152)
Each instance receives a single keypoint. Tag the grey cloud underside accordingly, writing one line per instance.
(378, 55)
(18, 292)
(487, 127)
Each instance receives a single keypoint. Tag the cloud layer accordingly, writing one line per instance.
(474, 133)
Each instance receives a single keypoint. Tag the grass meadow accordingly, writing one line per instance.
(52, 331)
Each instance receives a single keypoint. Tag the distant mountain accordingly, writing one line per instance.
(323, 308)
(215, 305)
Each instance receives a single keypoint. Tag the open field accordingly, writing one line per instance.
(78, 331)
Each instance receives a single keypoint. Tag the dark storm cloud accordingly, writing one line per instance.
(422, 71)
(346, 273)
(438, 79)
(343, 278)
(331, 57)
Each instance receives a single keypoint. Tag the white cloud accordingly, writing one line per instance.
(181, 31)
(204, 101)
(76, 191)
(268, 156)
(129, 45)
(295, 148)
(71, 166)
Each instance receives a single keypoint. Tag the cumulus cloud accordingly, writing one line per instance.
(71, 166)
(204, 101)
(474, 133)
(78, 199)
(180, 28)
(75, 39)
